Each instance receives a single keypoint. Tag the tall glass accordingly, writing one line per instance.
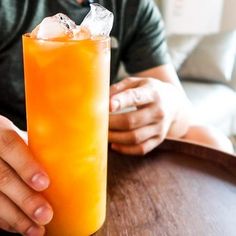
(67, 97)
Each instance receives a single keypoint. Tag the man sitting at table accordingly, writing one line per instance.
(163, 109)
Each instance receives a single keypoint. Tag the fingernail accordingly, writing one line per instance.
(115, 105)
(43, 215)
(40, 181)
(34, 231)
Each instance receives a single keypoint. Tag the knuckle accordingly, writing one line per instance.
(130, 121)
(32, 200)
(5, 226)
(150, 145)
(143, 149)
(161, 113)
(9, 140)
(16, 220)
(6, 174)
(136, 95)
(135, 137)
(21, 223)
(115, 87)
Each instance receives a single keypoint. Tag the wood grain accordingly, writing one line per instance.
(182, 192)
(179, 189)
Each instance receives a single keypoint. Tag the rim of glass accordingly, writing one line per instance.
(99, 39)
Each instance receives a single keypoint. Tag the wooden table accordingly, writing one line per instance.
(178, 189)
(182, 190)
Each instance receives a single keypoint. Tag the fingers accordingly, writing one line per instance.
(130, 92)
(130, 82)
(138, 132)
(135, 119)
(136, 136)
(22, 207)
(5, 226)
(139, 149)
(15, 219)
(131, 97)
(7, 124)
(15, 152)
(139, 141)
(29, 201)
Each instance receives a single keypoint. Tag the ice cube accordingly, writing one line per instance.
(99, 20)
(63, 19)
(54, 27)
(97, 23)
(81, 33)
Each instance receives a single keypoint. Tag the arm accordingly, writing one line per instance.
(162, 110)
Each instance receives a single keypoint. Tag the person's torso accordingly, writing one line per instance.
(19, 17)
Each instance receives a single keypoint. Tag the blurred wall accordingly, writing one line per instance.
(198, 16)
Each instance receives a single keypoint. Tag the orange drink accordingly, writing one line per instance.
(67, 96)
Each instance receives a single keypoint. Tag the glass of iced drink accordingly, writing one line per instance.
(67, 95)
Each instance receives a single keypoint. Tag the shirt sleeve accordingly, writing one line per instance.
(147, 47)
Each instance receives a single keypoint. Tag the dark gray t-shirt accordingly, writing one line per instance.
(138, 29)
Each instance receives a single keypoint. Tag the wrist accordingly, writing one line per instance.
(182, 116)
